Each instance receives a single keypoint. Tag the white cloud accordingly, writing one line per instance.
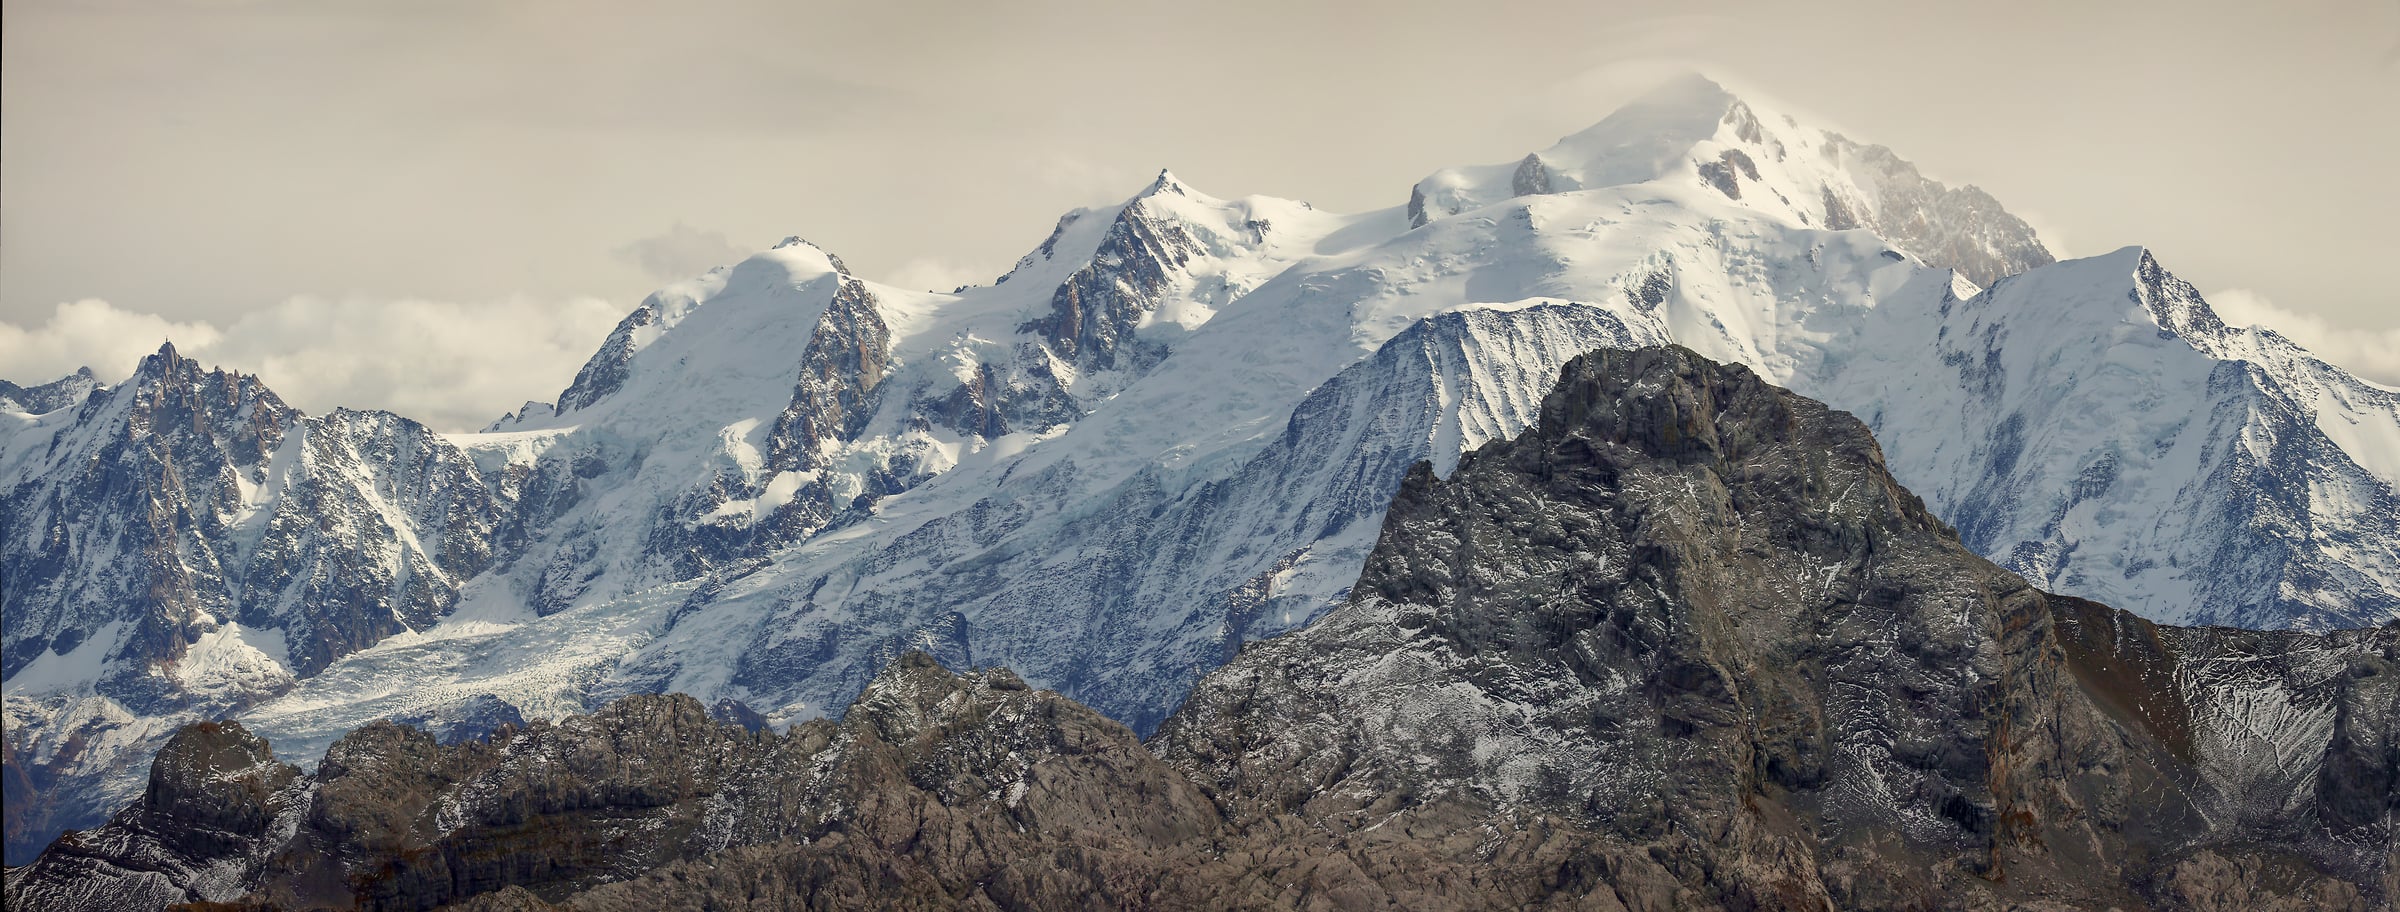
(681, 253)
(2370, 353)
(91, 333)
(453, 366)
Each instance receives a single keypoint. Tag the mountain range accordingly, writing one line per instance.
(1684, 644)
(1175, 427)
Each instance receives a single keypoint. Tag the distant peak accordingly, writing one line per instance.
(1165, 183)
(160, 363)
(2130, 260)
(798, 241)
(1166, 192)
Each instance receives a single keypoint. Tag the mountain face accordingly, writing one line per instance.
(1172, 428)
(2256, 501)
(1683, 645)
(1693, 615)
(186, 545)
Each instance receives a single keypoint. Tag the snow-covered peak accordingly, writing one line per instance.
(1164, 183)
(1241, 235)
(1659, 135)
(64, 392)
(2129, 284)
(532, 409)
(1224, 229)
(1649, 138)
(798, 241)
(748, 319)
(1754, 153)
(165, 379)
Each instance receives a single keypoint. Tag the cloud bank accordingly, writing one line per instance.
(455, 366)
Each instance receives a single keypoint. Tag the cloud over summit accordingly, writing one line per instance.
(681, 253)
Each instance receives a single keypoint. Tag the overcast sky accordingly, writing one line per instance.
(441, 207)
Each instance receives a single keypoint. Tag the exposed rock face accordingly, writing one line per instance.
(936, 790)
(164, 471)
(363, 483)
(1961, 227)
(204, 544)
(1532, 178)
(1728, 171)
(220, 504)
(1690, 617)
(1093, 314)
(847, 357)
(1683, 645)
(217, 803)
(605, 371)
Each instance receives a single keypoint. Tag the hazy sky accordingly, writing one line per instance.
(440, 206)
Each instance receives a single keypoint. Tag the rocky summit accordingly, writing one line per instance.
(1690, 626)
(1685, 644)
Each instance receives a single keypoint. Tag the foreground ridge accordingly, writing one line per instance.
(1684, 644)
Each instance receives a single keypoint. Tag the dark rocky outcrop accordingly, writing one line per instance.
(1532, 177)
(847, 357)
(937, 790)
(1728, 171)
(607, 369)
(215, 797)
(1093, 313)
(1691, 624)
